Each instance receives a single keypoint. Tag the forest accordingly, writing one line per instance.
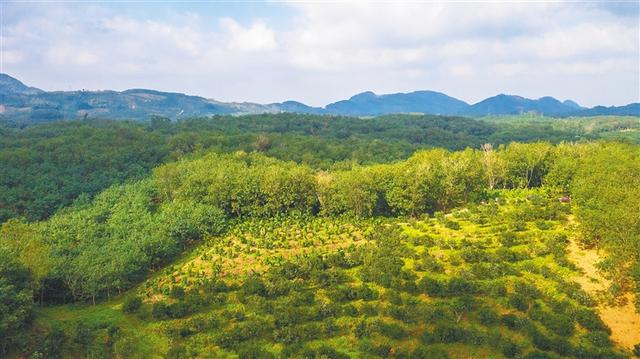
(304, 236)
(46, 167)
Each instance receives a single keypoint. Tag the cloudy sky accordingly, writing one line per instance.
(320, 52)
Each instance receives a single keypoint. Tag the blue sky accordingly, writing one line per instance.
(320, 52)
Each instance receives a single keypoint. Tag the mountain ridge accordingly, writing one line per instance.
(22, 103)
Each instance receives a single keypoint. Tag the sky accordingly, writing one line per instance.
(320, 52)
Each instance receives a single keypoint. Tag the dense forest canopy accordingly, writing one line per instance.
(46, 167)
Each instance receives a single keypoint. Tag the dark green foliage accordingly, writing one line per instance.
(515, 322)
(432, 286)
(177, 292)
(448, 333)
(132, 304)
(509, 348)
(460, 286)
(429, 352)
(16, 309)
(391, 330)
(598, 339)
(454, 286)
(253, 286)
(254, 352)
(160, 310)
(519, 302)
(53, 343)
(537, 354)
(45, 168)
(488, 315)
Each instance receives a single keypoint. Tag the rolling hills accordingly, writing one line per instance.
(22, 104)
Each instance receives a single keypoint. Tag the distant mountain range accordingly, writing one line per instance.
(21, 103)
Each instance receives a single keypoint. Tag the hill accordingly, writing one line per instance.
(11, 86)
(244, 255)
(632, 109)
(514, 105)
(368, 103)
(23, 105)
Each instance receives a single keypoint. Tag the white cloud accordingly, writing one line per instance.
(330, 51)
(257, 37)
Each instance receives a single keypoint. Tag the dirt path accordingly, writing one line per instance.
(623, 320)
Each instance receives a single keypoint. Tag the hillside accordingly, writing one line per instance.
(442, 287)
(25, 105)
(514, 105)
(445, 254)
(368, 103)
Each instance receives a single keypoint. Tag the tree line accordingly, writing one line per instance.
(46, 167)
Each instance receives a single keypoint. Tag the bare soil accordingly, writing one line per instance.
(623, 319)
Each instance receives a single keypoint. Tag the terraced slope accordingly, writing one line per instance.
(487, 281)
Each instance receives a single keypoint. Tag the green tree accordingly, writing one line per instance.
(16, 303)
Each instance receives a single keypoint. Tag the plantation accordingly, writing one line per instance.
(226, 253)
(485, 281)
(319, 179)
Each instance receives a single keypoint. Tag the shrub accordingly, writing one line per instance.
(488, 315)
(254, 352)
(328, 352)
(429, 264)
(540, 340)
(364, 292)
(431, 286)
(460, 286)
(82, 335)
(178, 310)
(473, 255)
(53, 343)
(361, 329)
(177, 292)
(528, 290)
(558, 323)
(508, 239)
(132, 304)
(451, 224)
(561, 345)
(537, 354)
(590, 320)
(599, 339)
(391, 330)
(160, 310)
(422, 352)
(253, 286)
(449, 333)
(498, 289)
(509, 348)
(519, 302)
(350, 310)
(515, 322)
(368, 310)
(177, 352)
(519, 225)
